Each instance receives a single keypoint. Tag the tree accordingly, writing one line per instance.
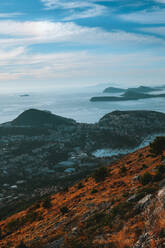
(47, 203)
(158, 145)
(100, 174)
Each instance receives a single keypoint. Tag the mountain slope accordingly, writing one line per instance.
(124, 210)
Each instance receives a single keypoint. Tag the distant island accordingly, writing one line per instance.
(140, 89)
(141, 92)
(24, 95)
(114, 90)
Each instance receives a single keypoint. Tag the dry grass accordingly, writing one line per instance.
(121, 232)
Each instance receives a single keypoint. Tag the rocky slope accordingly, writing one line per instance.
(122, 205)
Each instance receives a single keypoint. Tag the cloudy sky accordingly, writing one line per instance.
(60, 43)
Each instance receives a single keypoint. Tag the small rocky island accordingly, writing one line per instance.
(24, 95)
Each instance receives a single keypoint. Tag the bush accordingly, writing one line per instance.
(158, 145)
(123, 169)
(64, 210)
(47, 203)
(160, 169)
(121, 209)
(14, 225)
(100, 174)
(31, 216)
(21, 245)
(146, 178)
(94, 191)
(80, 186)
(158, 176)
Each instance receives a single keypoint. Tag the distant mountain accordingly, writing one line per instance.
(34, 117)
(113, 90)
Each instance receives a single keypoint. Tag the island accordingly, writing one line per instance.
(127, 96)
(140, 89)
(114, 90)
(24, 95)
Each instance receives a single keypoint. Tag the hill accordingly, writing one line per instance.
(34, 117)
(119, 206)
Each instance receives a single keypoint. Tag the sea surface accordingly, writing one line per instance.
(70, 104)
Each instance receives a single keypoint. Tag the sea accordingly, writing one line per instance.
(73, 104)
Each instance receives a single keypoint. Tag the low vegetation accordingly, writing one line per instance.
(107, 209)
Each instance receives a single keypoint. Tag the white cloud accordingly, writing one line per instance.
(154, 30)
(154, 16)
(77, 9)
(28, 33)
(81, 67)
(10, 15)
(160, 1)
(18, 62)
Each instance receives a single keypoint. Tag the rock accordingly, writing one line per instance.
(143, 241)
(162, 183)
(161, 196)
(56, 244)
(144, 202)
(136, 178)
(74, 230)
(132, 198)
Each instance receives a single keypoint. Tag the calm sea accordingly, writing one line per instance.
(74, 105)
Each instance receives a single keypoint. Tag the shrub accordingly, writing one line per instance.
(160, 168)
(157, 177)
(121, 209)
(47, 203)
(64, 210)
(65, 189)
(100, 174)
(31, 216)
(94, 191)
(146, 178)
(80, 186)
(21, 245)
(123, 169)
(158, 145)
(144, 166)
(14, 225)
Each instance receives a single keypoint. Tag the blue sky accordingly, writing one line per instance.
(73, 43)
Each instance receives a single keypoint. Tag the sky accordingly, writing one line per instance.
(75, 43)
